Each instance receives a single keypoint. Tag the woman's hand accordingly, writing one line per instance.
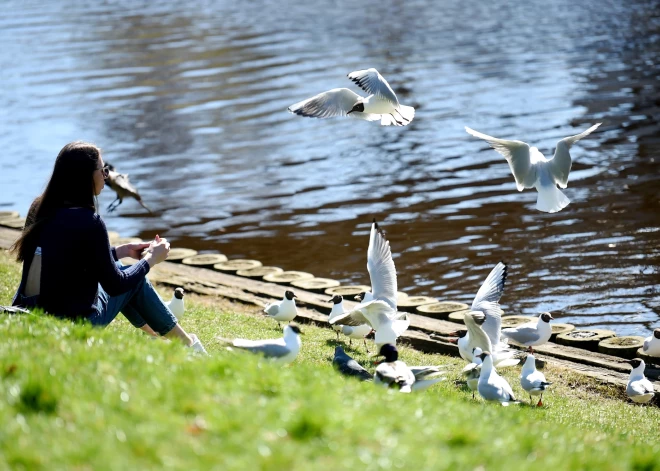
(131, 250)
(157, 251)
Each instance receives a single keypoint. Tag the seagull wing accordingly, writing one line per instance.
(478, 337)
(375, 313)
(335, 102)
(348, 366)
(399, 326)
(381, 267)
(487, 301)
(122, 181)
(517, 154)
(373, 83)
(560, 165)
(647, 344)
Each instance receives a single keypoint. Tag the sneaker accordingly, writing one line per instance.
(197, 345)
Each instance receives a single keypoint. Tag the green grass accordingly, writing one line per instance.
(75, 397)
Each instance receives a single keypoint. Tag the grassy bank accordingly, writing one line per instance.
(81, 398)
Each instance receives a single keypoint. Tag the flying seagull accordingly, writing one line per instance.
(532, 170)
(381, 104)
(282, 350)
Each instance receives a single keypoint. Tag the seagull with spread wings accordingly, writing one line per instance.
(532, 170)
(381, 104)
(282, 350)
(380, 313)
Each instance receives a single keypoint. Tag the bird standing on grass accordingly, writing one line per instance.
(473, 370)
(348, 366)
(392, 372)
(532, 170)
(176, 304)
(532, 380)
(284, 310)
(337, 309)
(120, 184)
(639, 389)
(282, 350)
(491, 386)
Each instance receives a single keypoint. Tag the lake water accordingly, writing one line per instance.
(190, 99)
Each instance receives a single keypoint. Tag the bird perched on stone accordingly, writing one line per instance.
(532, 333)
(121, 185)
(176, 304)
(652, 344)
(532, 380)
(284, 310)
(639, 389)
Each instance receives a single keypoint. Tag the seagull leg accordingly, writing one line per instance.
(530, 399)
(112, 205)
(473, 395)
(540, 401)
(531, 350)
(365, 346)
(350, 342)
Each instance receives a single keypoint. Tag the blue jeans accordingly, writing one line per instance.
(141, 305)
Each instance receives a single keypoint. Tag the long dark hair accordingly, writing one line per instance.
(71, 185)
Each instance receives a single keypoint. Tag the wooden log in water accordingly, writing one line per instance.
(286, 277)
(625, 346)
(258, 273)
(12, 222)
(348, 291)
(206, 260)
(515, 321)
(457, 316)
(177, 254)
(411, 303)
(560, 329)
(232, 266)
(586, 339)
(9, 214)
(317, 285)
(441, 310)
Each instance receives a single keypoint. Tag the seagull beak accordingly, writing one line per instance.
(330, 300)
(453, 340)
(350, 112)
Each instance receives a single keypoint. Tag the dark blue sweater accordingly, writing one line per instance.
(75, 257)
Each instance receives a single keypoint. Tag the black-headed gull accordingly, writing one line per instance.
(348, 366)
(652, 344)
(284, 310)
(639, 389)
(380, 313)
(491, 386)
(381, 104)
(392, 372)
(176, 304)
(282, 350)
(473, 370)
(337, 310)
(121, 185)
(532, 333)
(532, 170)
(532, 380)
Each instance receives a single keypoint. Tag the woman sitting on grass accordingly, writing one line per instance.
(76, 274)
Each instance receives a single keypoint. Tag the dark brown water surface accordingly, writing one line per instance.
(190, 99)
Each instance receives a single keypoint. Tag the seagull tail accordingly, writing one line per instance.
(551, 199)
(144, 206)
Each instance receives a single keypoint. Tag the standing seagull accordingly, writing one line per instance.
(532, 380)
(348, 366)
(176, 304)
(120, 184)
(284, 310)
(639, 388)
(491, 386)
(282, 350)
(337, 309)
(473, 371)
(392, 372)
(652, 344)
(532, 170)
(381, 104)
(531, 334)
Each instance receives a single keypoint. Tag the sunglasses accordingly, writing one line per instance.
(105, 171)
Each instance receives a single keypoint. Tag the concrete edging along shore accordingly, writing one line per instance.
(314, 307)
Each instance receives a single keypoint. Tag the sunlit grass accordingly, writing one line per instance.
(81, 398)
